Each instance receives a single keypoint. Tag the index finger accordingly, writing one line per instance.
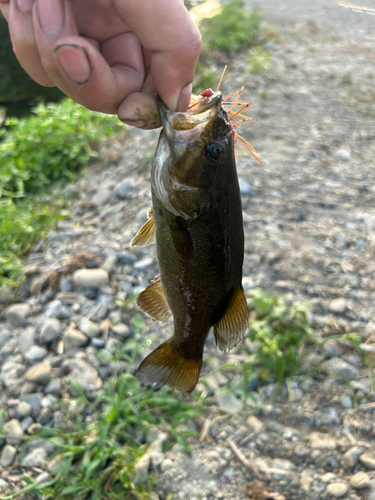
(166, 29)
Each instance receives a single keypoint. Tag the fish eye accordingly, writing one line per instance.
(213, 151)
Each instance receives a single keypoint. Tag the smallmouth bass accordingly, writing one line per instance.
(196, 219)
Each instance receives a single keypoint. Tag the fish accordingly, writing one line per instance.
(196, 221)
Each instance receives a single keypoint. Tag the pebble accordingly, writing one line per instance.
(50, 331)
(89, 328)
(4, 337)
(346, 401)
(121, 330)
(360, 480)
(40, 373)
(143, 263)
(245, 188)
(13, 432)
(35, 354)
(368, 460)
(26, 340)
(141, 469)
(56, 309)
(101, 197)
(3, 485)
(337, 306)
(337, 490)
(91, 278)
(110, 264)
(320, 441)
(350, 457)
(33, 399)
(8, 455)
(341, 368)
(74, 338)
(229, 402)
(84, 374)
(343, 154)
(255, 424)
(35, 458)
(17, 314)
(124, 188)
(24, 409)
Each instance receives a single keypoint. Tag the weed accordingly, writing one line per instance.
(233, 29)
(228, 32)
(50, 146)
(259, 61)
(281, 333)
(96, 453)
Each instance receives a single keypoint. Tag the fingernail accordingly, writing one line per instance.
(134, 122)
(184, 98)
(51, 15)
(75, 62)
(25, 5)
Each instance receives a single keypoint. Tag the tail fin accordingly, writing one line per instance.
(165, 366)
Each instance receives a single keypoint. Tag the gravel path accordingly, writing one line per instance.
(309, 213)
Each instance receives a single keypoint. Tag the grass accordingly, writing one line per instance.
(224, 35)
(96, 457)
(43, 150)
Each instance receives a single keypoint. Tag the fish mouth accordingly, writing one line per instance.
(202, 110)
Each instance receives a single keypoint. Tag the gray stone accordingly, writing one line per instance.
(332, 349)
(110, 263)
(74, 338)
(341, 368)
(8, 455)
(35, 354)
(89, 328)
(124, 188)
(4, 485)
(229, 402)
(350, 457)
(101, 197)
(53, 387)
(26, 422)
(245, 188)
(337, 490)
(4, 337)
(33, 399)
(255, 424)
(24, 409)
(50, 331)
(141, 469)
(360, 480)
(343, 154)
(17, 314)
(84, 374)
(40, 373)
(26, 340)
(346, 401)
(126, 257)
(144, 263)
(368, 460)
(91, 278)
(99, 312)
(56, 309)
(337, 306)
(35, 458)
(121, 330)
(13, 432)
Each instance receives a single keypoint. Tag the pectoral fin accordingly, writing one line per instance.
(181, 237)
(146, 235)
(154, 302)
(234, 322)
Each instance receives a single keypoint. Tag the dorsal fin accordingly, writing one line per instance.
(234, 322)
(165, 366)
(146, 235)
(154, 302)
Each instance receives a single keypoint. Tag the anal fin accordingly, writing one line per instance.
(146, 235)
(165, 366)
(154, 302)
(234, 322)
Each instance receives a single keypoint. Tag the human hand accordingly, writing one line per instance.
(111, 56)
